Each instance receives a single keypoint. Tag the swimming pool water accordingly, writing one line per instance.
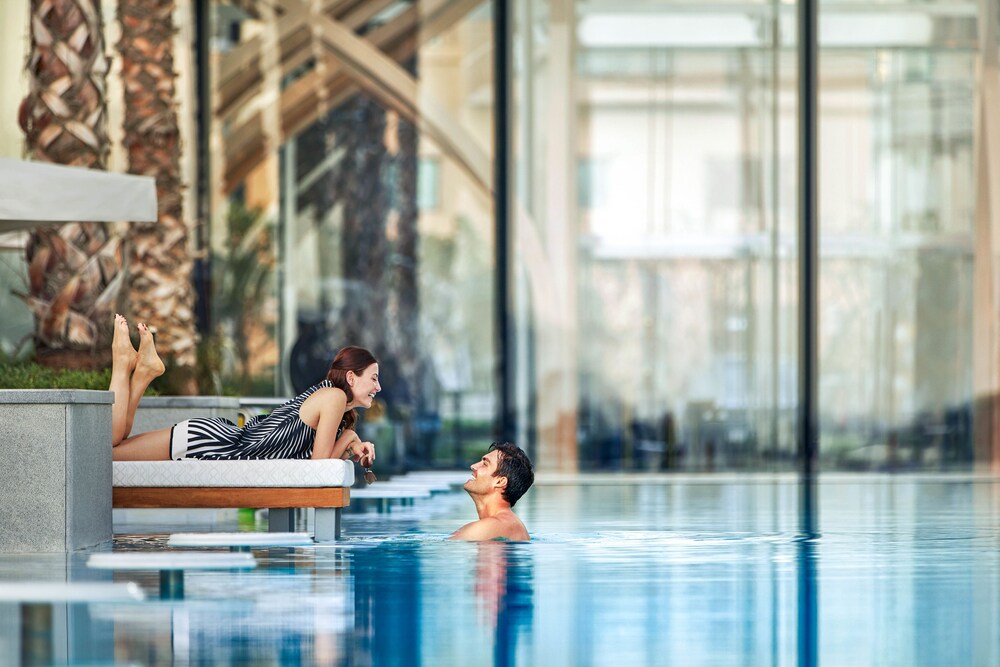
(901, 571)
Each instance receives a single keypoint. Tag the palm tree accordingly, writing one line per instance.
(160, 262)
(359, 186)
(75, 271)
(245, 273)
(405, 274)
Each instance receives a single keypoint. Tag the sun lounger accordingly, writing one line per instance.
(280, 485)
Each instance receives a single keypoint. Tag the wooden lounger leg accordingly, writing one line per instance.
(327, 524)
(280, 520)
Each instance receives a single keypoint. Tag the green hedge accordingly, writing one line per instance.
(29, 375)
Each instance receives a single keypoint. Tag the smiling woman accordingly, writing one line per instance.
(318, 423)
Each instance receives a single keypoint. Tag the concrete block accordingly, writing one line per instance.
(156, 412)
(55, 458)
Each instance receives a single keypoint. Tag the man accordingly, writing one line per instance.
(498, 480)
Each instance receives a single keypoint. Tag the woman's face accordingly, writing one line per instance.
(365, 386)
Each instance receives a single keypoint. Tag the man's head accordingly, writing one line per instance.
(506, 469)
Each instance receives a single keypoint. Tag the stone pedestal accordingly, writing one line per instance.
(55, 461)
(156, 412)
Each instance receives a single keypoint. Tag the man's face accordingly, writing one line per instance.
(483, 472)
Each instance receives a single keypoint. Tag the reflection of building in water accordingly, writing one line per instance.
(48, 633)
(45, 622)
(388, 601)
(399, 605)
(290, 615)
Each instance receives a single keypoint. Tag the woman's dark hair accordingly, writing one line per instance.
(350, 358)
(515, 465)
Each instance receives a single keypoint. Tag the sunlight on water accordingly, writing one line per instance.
(903, 573)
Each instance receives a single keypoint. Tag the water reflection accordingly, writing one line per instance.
(387, 601)
(504, 588)
(412, 597)
(808, 598)
(659, 575)
(48, 633)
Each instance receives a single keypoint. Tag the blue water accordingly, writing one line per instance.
(900, 571)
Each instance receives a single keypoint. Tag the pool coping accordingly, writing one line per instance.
(638, 478)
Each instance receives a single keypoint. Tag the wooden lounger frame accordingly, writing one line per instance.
(280, 502)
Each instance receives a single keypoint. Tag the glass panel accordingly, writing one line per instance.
(655, 176)
(657, 179)
(897, 219)
(374, 191)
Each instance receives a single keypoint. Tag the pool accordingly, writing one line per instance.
(714, 570)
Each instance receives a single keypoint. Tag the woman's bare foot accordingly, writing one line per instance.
(122, 351)
(147, 368)
(149, 364)
(123, 360)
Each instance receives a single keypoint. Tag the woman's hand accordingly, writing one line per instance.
(364, 453)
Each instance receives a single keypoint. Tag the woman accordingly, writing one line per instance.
(318, 423)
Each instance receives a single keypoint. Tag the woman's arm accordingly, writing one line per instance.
(351, 446)
(327, 444)
(346, 446)
(331, 412)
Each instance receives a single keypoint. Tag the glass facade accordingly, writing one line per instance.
(657, 184)
(340, 184)
(372, 191)
(619, 285)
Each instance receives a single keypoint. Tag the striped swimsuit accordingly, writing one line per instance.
(279, 435)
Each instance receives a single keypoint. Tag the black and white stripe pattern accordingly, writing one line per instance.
(279, 435)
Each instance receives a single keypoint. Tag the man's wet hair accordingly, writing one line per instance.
(515, 465)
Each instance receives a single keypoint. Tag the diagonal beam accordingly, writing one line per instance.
(246, 92)
(240, 76)
(305, 100)
(353, 62)
(388, 82)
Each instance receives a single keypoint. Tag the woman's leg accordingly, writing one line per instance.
(148, 367)
(151, 446)
(123, 361)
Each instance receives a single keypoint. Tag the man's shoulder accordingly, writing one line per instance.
(481, 529)
(503, 526)
(513, 527)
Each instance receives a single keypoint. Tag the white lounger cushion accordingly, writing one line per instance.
(322, 473)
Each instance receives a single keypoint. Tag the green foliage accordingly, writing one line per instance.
(247, 265)
(254, 385)
(245, 272)
(29, 375)
(211, 351)
(23, 373)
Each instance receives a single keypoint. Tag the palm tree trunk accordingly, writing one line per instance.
(404, 266)
(361, 190)
(160, 261)
(75, 271)
(411, 398)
